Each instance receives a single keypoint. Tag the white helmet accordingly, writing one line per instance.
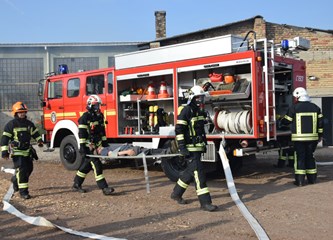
(93, 103)
(195, 91)
(301, 94)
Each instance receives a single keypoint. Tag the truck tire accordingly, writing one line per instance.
(69, 153)
(172, 167)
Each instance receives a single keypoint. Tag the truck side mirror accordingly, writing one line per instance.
(41, 88)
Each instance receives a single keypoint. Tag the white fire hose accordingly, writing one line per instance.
(40, 221)
(259, 231)
(233, 122)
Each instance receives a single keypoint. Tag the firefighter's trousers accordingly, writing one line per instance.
(305, 161)
(24, 167)
(87, 165)
(284, 155)
(194, 171)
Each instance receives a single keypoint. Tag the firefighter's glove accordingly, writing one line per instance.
(184, 152)
(278, 124)
(33, 153)
(204, 149)
(40, 144)
(5, 155)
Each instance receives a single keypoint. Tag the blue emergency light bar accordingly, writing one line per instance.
(285, 45)
(63, 69)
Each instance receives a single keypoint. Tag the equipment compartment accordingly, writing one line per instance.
(147, 103)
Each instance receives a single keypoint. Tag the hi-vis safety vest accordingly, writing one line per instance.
(307, 121)
(190, 131)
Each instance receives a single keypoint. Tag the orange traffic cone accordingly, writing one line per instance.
(151, 91)
(163, 91)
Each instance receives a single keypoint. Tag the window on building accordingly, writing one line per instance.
(73, 87)
(19, 81)
(77, 64)
(111, 61)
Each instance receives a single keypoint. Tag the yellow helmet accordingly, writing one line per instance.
(19, 107)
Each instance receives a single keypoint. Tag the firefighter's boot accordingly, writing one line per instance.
(206, 203)
(209, 207)
(299, 180)
(312, 178)
(177, 194)
(77, 188)
(24, 193)
(108, 190)
(15, 185)
(25, 196)
(280, 163)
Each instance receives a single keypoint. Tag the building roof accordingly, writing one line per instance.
(224, 26)
(84, 44)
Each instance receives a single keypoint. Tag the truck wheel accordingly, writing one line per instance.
(172, 167)
(69, 153)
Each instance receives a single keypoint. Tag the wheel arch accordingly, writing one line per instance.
(62, 129)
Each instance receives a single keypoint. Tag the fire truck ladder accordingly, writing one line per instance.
(269, 76)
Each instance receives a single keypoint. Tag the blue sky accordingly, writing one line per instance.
(59, 21)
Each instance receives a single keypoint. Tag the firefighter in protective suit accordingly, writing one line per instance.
(307, 129)
(15, 141)
(91, 135)
(191, 140)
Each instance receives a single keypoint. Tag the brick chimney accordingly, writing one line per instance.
(160, 24)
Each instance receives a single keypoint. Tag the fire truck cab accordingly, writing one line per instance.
(249, 85)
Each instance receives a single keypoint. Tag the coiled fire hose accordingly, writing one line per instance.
(233, 122)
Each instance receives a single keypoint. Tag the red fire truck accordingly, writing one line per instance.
(249, 84)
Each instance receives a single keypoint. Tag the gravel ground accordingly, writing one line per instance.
(282, 209)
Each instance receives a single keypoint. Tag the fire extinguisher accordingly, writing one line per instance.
(151, 117)
(155, 115)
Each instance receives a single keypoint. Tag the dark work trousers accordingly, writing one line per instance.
(305, 162)
(24, 168)
(194, 171)
(87, 165)
(284, 155)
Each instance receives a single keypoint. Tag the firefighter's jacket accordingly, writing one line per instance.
(190, 128)
(18, 133)
(307, 121)
(92, 130)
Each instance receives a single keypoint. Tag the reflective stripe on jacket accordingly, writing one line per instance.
(92, 130)
(19, 132)
(190, 131)
(307, 121)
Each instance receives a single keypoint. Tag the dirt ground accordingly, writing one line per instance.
(282, 209)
